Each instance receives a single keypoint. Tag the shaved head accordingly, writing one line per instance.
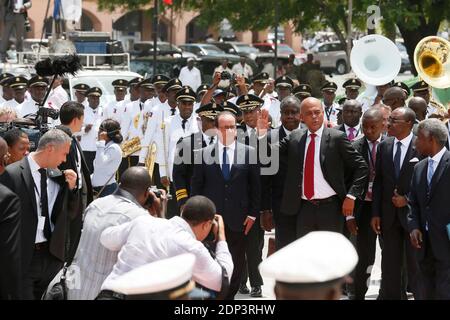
(373, 113)
(135, 180)
(419, 106)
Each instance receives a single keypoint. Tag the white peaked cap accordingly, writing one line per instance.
(319, 256)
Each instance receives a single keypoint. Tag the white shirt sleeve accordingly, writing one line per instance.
(113, 238)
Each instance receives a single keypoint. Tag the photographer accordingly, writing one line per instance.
(156, 202)
(127, 203)
(14, 16)
(146, 239)
(225, 81)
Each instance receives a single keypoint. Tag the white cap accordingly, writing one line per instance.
(190, 59)
(155, 277)
(319, 256)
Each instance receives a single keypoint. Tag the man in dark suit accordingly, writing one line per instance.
(317, 163)
(429, 215)
(272, 185)
(227, 172)
(351, 115)
(45, 200)
(183, 166)
(10, 277)
(71, 116)
(396, 158)
(367, 146)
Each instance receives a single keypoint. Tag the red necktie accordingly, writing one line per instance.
(351, 135)
(309, 168)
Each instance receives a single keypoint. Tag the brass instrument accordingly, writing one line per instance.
(150, 160)
(166, 160)
(130, 146)
(432, 61)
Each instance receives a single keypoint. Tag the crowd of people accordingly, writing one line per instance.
(168, 173)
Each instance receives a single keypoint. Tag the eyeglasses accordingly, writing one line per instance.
(395, 120)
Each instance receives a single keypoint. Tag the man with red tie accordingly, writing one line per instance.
(351, 113)
(317, 163)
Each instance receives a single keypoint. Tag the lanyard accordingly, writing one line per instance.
(328, 114)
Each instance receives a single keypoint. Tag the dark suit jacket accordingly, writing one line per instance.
(18, 178)
(183, 167)
(385, 183)
(431, 206)
(237, 198)
(340, 162)
(10, 266)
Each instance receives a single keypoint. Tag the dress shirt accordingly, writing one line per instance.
(52, 194)
(147, 239)
(405, 145)
(107, 161)
(89, 139)
(190, 77)
(333, 113)
(94, 261)
(245, 70)
(230, 153)
(437, 158)
(322, 189)
(356, 133)
(10, 104)
(207, 138)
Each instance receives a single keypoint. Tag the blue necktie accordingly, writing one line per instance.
(225, 165)
(397, 159)
(430, 171)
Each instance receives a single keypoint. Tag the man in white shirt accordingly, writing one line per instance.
(94, 261)
(19, 87)
(242, 68)
(147, 239)
(92, 120)
(190, 75)
(58, 96)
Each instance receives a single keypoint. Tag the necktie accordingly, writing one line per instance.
(44, 203)
(309, 168)
(173, 111)
(397, 159)
(211, 140)
(225, 165)
(183, 124)
(252, 137)
(430, 171)
(351, 135)
(140, 105)
(373, 160)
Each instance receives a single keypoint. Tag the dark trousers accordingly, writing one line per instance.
(107, 190)
(126, 163)
(396, 245)
(89, 156)
(365, 246)
(43, 268)
(12, 21)
(236, 244)
(253, 253)
(435, 275)
(285, 229)
(323, 216)
(172, 205)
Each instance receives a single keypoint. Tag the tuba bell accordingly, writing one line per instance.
(375, 59)
(432, 61)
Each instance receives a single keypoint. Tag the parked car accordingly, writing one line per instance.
(332, 56)
(145, 48)
(239, 48)
(206, 49)
(284, 50)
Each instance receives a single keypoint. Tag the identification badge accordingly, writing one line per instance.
(41, 223)
(370, 187)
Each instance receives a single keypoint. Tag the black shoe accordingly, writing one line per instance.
(256, 292)
(243, 289)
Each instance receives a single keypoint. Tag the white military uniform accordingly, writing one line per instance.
(331, 113)
(10, 104)
(132, 125)
(114, 110)
(173, 132)
(89, 139)
(159, 113)
(58, 96)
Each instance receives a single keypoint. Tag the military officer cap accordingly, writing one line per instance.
(352, 84)
(94, 91)
(160, 79)
(210, 110)
(135, 81)
(120, 84)
(249, 102)
(403, 86)
(262, 77)
(231, 107)
(166, 279)
(172, 84)
(284, 81)
(302, 90)
(420, 86)
(17, 83)
(202, 88)
(318, 259)
(186, 94)
(4, 77)
(38, 81)
(329, 86)
(146, 83)
(81, 87)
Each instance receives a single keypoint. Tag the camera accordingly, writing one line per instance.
(27, 23)
(150, 198)
(48, 112)
(225, 75)
(212, 235)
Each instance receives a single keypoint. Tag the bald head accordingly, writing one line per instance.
(394, 97)
(135, 180)
(311, 113)
(419, 106)
(373, 113)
